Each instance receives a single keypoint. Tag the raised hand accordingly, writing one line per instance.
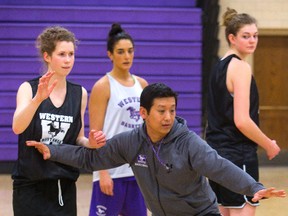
(44, 89)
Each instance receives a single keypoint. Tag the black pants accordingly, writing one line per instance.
(42, 198)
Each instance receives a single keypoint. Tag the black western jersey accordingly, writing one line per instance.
(221, 132)
(52, 126)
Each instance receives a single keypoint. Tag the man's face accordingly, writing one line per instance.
(161, 117)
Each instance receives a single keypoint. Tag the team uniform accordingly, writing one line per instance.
(225, 138)
(173, 182)
(43, 187)
(122, 115)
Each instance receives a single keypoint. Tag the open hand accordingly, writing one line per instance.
(44, 89)
(41, 147)
(267, 193)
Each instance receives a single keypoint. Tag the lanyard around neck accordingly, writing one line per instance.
(167, 166)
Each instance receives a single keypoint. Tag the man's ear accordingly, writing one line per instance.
(143, 112)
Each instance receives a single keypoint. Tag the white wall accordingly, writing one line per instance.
(271, 15)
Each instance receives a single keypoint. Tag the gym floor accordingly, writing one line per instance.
(269, 176)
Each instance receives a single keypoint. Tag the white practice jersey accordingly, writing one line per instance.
(122, 115)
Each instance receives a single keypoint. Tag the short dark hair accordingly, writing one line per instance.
(155, 90)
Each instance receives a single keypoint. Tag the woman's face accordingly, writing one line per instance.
(123, 55)
(62, 59)
(245, 41)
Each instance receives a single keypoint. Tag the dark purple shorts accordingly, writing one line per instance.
(127, 199)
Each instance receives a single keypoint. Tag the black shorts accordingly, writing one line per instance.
(44, 198)
(229, 199)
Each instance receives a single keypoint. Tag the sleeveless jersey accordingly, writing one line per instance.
(52, 126)
(122, 115)
(222, 133)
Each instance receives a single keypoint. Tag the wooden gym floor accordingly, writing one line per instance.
(269, 176)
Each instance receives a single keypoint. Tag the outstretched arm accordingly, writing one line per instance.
(208, 163)
(83, 157)
(97, 139)
(267, 193)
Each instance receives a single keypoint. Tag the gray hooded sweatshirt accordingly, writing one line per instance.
(172, 176)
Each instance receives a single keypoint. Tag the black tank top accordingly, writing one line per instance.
(221, 132)
(52, 126)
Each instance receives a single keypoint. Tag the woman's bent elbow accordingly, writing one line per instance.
(16, 130)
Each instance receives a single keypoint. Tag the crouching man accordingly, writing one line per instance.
(169, 161)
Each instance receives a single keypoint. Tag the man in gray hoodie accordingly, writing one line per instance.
(169, 161)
